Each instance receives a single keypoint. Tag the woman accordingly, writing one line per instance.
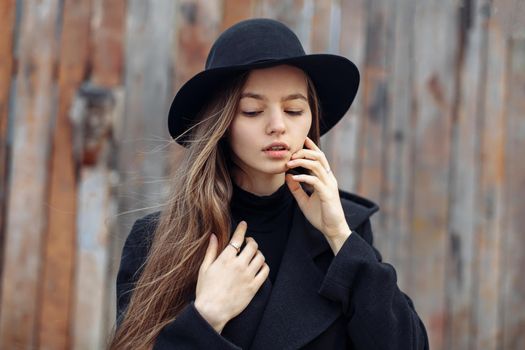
(258, 248)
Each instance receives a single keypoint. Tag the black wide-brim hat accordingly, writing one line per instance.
(260, 43)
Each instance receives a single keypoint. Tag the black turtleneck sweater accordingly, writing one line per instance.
(269, 220)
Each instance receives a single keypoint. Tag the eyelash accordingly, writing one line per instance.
(253, 114)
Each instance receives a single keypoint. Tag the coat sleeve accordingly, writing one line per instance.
(189, 330)
(379, 314)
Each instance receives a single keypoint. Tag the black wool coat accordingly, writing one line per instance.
(319, 301)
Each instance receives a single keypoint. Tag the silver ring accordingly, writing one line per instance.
(327, 170)
(236, 248)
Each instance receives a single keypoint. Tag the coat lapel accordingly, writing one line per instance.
(295, 312)
(291, 313)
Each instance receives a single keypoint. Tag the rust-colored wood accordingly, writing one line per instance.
(199, 23)
(490, 203)
(321, 25)
(433, 96)
(435, 137)
(234, 11)
(107, 45)
(27, 205)
(59, 248)
(7, 26)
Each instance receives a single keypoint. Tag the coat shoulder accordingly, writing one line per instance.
(357, 209)
(141, 234)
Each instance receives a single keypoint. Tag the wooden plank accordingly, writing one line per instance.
(107, 56)
(296, 14)
(149, 32)
(198, 24)
(345, 140)
(433, 96)
(108, 42)
(34, 112)
(461, 264)
(490, 203)
(375, 96)
(320, 26)
(376, 100)
(7, 27)
(235, 11)
(320, 33)
(94, 110)
(94, 202)
(394, 238)
(513, 283)
(59, 248)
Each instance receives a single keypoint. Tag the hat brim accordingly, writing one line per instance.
(336, 80)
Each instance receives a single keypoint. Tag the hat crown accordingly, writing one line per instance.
(254, 40)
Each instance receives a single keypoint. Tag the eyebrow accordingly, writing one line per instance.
(262, 98)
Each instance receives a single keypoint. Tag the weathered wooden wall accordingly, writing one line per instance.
(436, 136)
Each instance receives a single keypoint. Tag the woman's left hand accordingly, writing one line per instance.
(323, 208)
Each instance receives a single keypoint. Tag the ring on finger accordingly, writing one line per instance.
(238, 249)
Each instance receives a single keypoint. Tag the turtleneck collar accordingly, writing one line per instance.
(261, 212)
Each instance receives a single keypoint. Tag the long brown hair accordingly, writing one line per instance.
(201, 185)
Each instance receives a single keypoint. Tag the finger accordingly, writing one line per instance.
(312, 180)
(312, 154)
(256, 263)
(314, 165)
(249, 250)
(211, 253)
(262, 275)
(311, 144)
(237, 239)
(297, 191)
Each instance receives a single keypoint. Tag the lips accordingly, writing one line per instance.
(277, 146)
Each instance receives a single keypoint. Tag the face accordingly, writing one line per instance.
(273, 108)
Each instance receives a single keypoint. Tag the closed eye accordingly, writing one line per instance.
(251, 114)
(255, 113)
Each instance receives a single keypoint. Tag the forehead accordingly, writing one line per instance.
(276, 80)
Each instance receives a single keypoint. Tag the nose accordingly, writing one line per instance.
(276, 122)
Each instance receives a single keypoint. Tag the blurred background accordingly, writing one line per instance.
(436, 137)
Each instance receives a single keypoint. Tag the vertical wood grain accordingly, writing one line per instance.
(513, 283)
(7, 28)
(107, 42)
(433, 94)
(27, 206)
(375, 96)
(59, 247)
(94, 113)
(149, 47)
(465, 166)
(235, 11)
(397, 181)
(490, 204)
(344, 140)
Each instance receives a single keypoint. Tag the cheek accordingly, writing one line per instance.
(306, 125)
(239, 137)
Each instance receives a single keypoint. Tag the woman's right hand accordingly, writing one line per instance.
(226, 284)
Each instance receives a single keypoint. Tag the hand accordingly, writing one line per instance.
(226, 284)
(323, 208)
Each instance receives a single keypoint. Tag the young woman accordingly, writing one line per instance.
(257, 248)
